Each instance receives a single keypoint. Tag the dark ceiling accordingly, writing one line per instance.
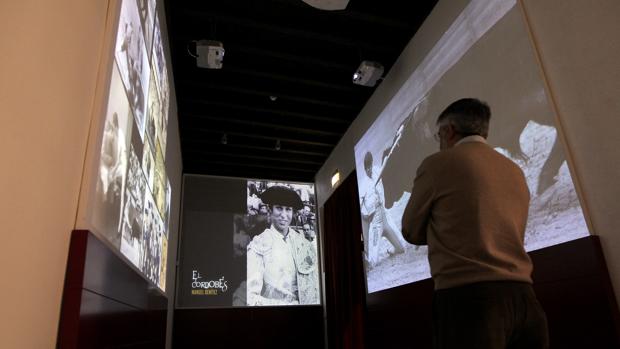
(303, 56)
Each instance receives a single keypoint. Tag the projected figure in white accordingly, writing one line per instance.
(113, 160)
(281, 263)
(379, 224)
(112, 176)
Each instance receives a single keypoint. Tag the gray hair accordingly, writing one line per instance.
(468, 116)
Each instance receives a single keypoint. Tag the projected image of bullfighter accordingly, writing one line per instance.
(378, 223)
(281, 263)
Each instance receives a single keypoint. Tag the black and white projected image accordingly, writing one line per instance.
(132, 200)
(151, 241)
(132, 223)
(153, 113)
(132, 60)
(161, 73)
(146, 9)
(164, 259)
(167, 208)
(148, 165)
(279, 235)
(159, 195)
(112, 173)
(231, 253)
(161, 128)
(555, 213)
(492, 61)
(159, 184)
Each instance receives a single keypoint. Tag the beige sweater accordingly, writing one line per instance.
(470, 204)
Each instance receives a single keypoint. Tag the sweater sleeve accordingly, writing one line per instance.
(417, 213)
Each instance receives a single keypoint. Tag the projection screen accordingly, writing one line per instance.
(248, 242)
(130, 204)
(487, 54)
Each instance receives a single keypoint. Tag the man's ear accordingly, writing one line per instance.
(450, 132)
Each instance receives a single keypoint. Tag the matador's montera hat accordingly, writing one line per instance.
(281, 195)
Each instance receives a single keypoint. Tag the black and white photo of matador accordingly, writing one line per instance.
(282, 265)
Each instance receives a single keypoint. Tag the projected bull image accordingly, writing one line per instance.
(487, 57)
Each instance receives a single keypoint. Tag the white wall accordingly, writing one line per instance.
(49, 58)
(579, 46)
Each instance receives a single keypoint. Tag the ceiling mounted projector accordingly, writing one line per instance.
(210, 54)
(368, 73)
(329, 5)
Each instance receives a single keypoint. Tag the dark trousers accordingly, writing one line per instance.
(489, 315)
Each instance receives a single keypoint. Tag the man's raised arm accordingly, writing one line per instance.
(417, 213)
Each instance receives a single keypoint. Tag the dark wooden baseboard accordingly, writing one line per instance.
(106, 303)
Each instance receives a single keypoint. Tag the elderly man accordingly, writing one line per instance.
(282, 265)
(469, 204)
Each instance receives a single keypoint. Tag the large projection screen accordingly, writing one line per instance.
(487, 54)
(127, 195)
(239, 249)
